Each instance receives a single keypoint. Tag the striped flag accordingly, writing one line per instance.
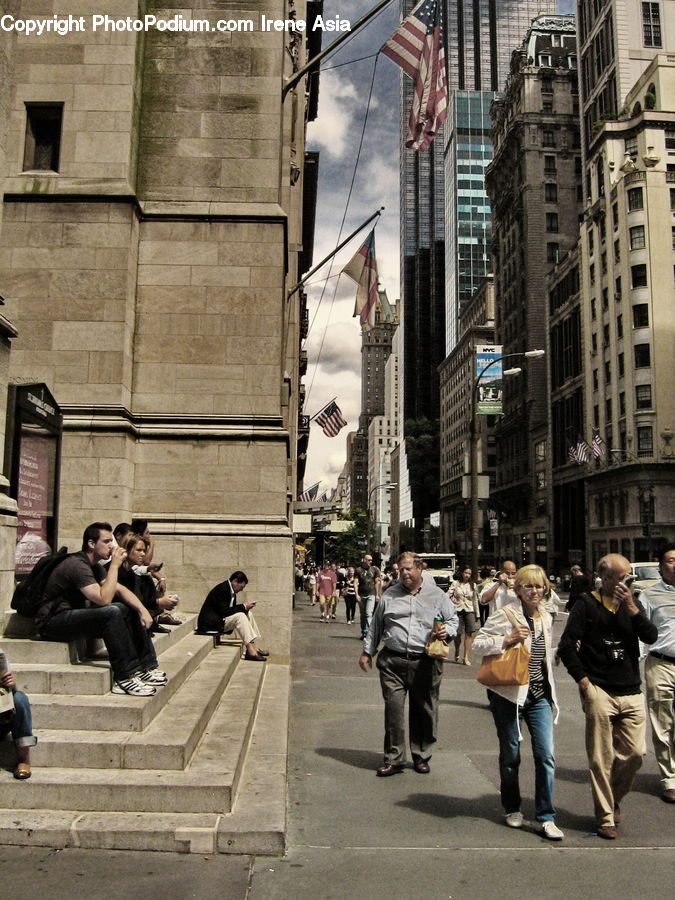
(331, 420)
(572, 454)
(597, 445)
(310, 494)
(362, 268)
(580, 452)
(417, 47)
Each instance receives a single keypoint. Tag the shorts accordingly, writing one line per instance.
(467, 622)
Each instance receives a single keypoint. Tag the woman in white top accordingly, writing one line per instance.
(463, 594)
(525, 620)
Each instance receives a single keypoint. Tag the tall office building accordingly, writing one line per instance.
(626, 267)
(479, 39)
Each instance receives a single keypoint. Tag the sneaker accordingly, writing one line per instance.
(551, 831)
(134, 687)
(514, 819)
(152, 676)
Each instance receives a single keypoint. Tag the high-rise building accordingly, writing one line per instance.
(533, 183)
(479, 39)
(626, 271)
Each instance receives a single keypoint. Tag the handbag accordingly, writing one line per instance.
(435, 647)
(509, 668)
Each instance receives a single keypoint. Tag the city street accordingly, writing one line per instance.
(430, 836)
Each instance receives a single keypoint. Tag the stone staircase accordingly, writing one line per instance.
(198, 767)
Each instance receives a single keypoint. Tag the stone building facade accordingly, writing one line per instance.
(534, 186)
(147, 266)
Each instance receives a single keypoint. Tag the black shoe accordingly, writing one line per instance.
(388, 769)
(422, 766)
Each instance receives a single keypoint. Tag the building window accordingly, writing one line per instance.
(549, 165)
(622, 404)
(603, 263)
(670, 139)
(596, 416)
(605, 298)
(548, 138)
(608, 372)
(547, 85)
(642, 356)
(605, 335)
(638, 275)
(617, 290)
(672, 199)
(595, 380)
(645, 440)
(620, 365)
(594, 314)
(643, 396)
(635, 198)
(631, 147)
(619, 327)
(651, 25)
(615, 215)
(43, 136)
(617, 251)
(590, 242)
(540, 451)
(551, 221)
(641, 315)
(608, 410)
(547, 107)
(594, 343)
(545, 58)
(551, 192)
(637, 237)
(591, 273)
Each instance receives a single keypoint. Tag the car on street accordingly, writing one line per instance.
(646, 574)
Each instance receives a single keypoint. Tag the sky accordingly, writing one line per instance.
(334, 341)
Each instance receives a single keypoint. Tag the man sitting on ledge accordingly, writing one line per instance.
(221, 613)
(82, 599)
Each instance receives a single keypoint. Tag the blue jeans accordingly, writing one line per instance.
(128, 643)
(21, 724)
(539, 719)
(366, 607)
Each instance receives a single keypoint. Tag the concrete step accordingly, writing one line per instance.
(167, 743)
(26, 651)
(255, 825)
(14, 625)
(56, 679)
(120, 712)
(207, 785)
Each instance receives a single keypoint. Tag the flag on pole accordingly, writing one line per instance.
(331, 420)
(580, 452)
(597, 445)
(310, 494)
(572, 454)
(362, 268)
(417, 47)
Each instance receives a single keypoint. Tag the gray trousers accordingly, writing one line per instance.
(420, 679)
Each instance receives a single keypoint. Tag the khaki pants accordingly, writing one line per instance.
(660, 685)
(244, 625)
(615, 745)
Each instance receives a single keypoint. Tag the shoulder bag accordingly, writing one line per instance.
(509, 668)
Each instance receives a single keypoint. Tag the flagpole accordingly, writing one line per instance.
(315, 60)
(311, 418)
(323, 262)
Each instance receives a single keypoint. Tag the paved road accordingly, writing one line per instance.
(433, 836)
(440, 835)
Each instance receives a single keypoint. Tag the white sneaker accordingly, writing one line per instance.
(134, 687)
(152, 676)
(514, 819)
(551, 831)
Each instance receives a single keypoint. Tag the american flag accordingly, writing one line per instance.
(597, 445)
(417, 47)
(310, 494)
(362, 268)
(331, 419)
(580, 452)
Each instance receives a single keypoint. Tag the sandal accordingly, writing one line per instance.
(22, 771)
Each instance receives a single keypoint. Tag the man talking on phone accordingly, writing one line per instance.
(600, 650)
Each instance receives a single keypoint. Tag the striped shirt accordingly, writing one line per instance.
(537, 665)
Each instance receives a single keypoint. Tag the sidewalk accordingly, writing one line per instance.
(440, 835)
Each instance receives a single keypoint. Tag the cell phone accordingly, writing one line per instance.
(628, 580)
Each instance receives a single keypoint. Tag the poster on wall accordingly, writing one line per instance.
(489, 372)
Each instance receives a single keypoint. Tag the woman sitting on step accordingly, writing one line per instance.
(17, 721)
(151, 593)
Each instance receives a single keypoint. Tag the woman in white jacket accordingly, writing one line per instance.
(525, 620)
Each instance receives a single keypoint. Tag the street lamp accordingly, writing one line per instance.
(473, 472)
(389, 486)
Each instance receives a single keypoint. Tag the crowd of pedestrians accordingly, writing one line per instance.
(608, 632)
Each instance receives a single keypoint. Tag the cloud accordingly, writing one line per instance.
(338, 102)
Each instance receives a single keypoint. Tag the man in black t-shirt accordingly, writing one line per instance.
(370, 580)
(600, 650)
(82, 599)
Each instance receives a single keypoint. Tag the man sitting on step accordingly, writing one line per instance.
(221, 613)
(83, 599)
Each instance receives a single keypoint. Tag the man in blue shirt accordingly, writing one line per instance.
(658, 602)
(403, 622)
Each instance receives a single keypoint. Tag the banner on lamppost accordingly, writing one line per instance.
(489, 392)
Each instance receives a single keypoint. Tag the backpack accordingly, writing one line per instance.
(29, 594)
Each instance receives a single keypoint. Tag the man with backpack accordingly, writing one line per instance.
(83, 599)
